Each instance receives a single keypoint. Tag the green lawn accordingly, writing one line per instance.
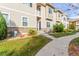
(23, 47)
(75, 41)
(61, 34)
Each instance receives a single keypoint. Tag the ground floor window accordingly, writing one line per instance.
(24, 21)
(48, 24)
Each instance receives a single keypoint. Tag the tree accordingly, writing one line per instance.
(58, 27)
(3, 27)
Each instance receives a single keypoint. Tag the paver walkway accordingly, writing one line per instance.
(57, 47)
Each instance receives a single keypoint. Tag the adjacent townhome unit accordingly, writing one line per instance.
(22, 16)
(75, 22)
(61, 17)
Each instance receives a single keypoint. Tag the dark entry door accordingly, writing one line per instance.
(39, 25)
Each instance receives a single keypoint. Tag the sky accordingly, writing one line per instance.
(71, 9)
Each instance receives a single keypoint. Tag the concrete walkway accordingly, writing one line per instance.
(57, 47)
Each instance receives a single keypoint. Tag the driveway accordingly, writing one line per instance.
(57, 47)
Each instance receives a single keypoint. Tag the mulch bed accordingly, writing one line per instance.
(73, 50)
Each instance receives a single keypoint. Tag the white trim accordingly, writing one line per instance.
(9, 18)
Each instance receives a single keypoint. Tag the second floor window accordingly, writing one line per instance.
(24, 21)
(29, 4)
(50, 10)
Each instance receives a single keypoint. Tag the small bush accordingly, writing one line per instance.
(61, 34)
(59, 27)
(77, 30)
(68, 30)
(32, 31)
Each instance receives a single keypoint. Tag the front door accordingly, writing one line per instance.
(38, 25)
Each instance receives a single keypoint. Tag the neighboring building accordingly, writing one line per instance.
(75, 22)
(22, 16)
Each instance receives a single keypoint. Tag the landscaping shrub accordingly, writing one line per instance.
(58, 27)
(61, 34)
(32, 31)
(77, 30)
(68, 30)
(3, 27)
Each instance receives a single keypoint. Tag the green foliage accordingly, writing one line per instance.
(68, 30)
(58, 27)
(23, 47)
(77, 30)
(61, 34)
(3, 28)
(75, 41)
(32, 31)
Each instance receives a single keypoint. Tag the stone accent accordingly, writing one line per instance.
(22, 30)
(19, 29)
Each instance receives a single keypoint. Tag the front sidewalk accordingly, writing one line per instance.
(57, 47)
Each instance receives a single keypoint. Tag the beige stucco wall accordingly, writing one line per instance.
(16, 15)
(43, 20)
(20, 6)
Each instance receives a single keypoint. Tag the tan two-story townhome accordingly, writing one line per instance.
(22, 16)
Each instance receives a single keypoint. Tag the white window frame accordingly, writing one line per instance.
(9, 17)
(22, 21)
(28, 4)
